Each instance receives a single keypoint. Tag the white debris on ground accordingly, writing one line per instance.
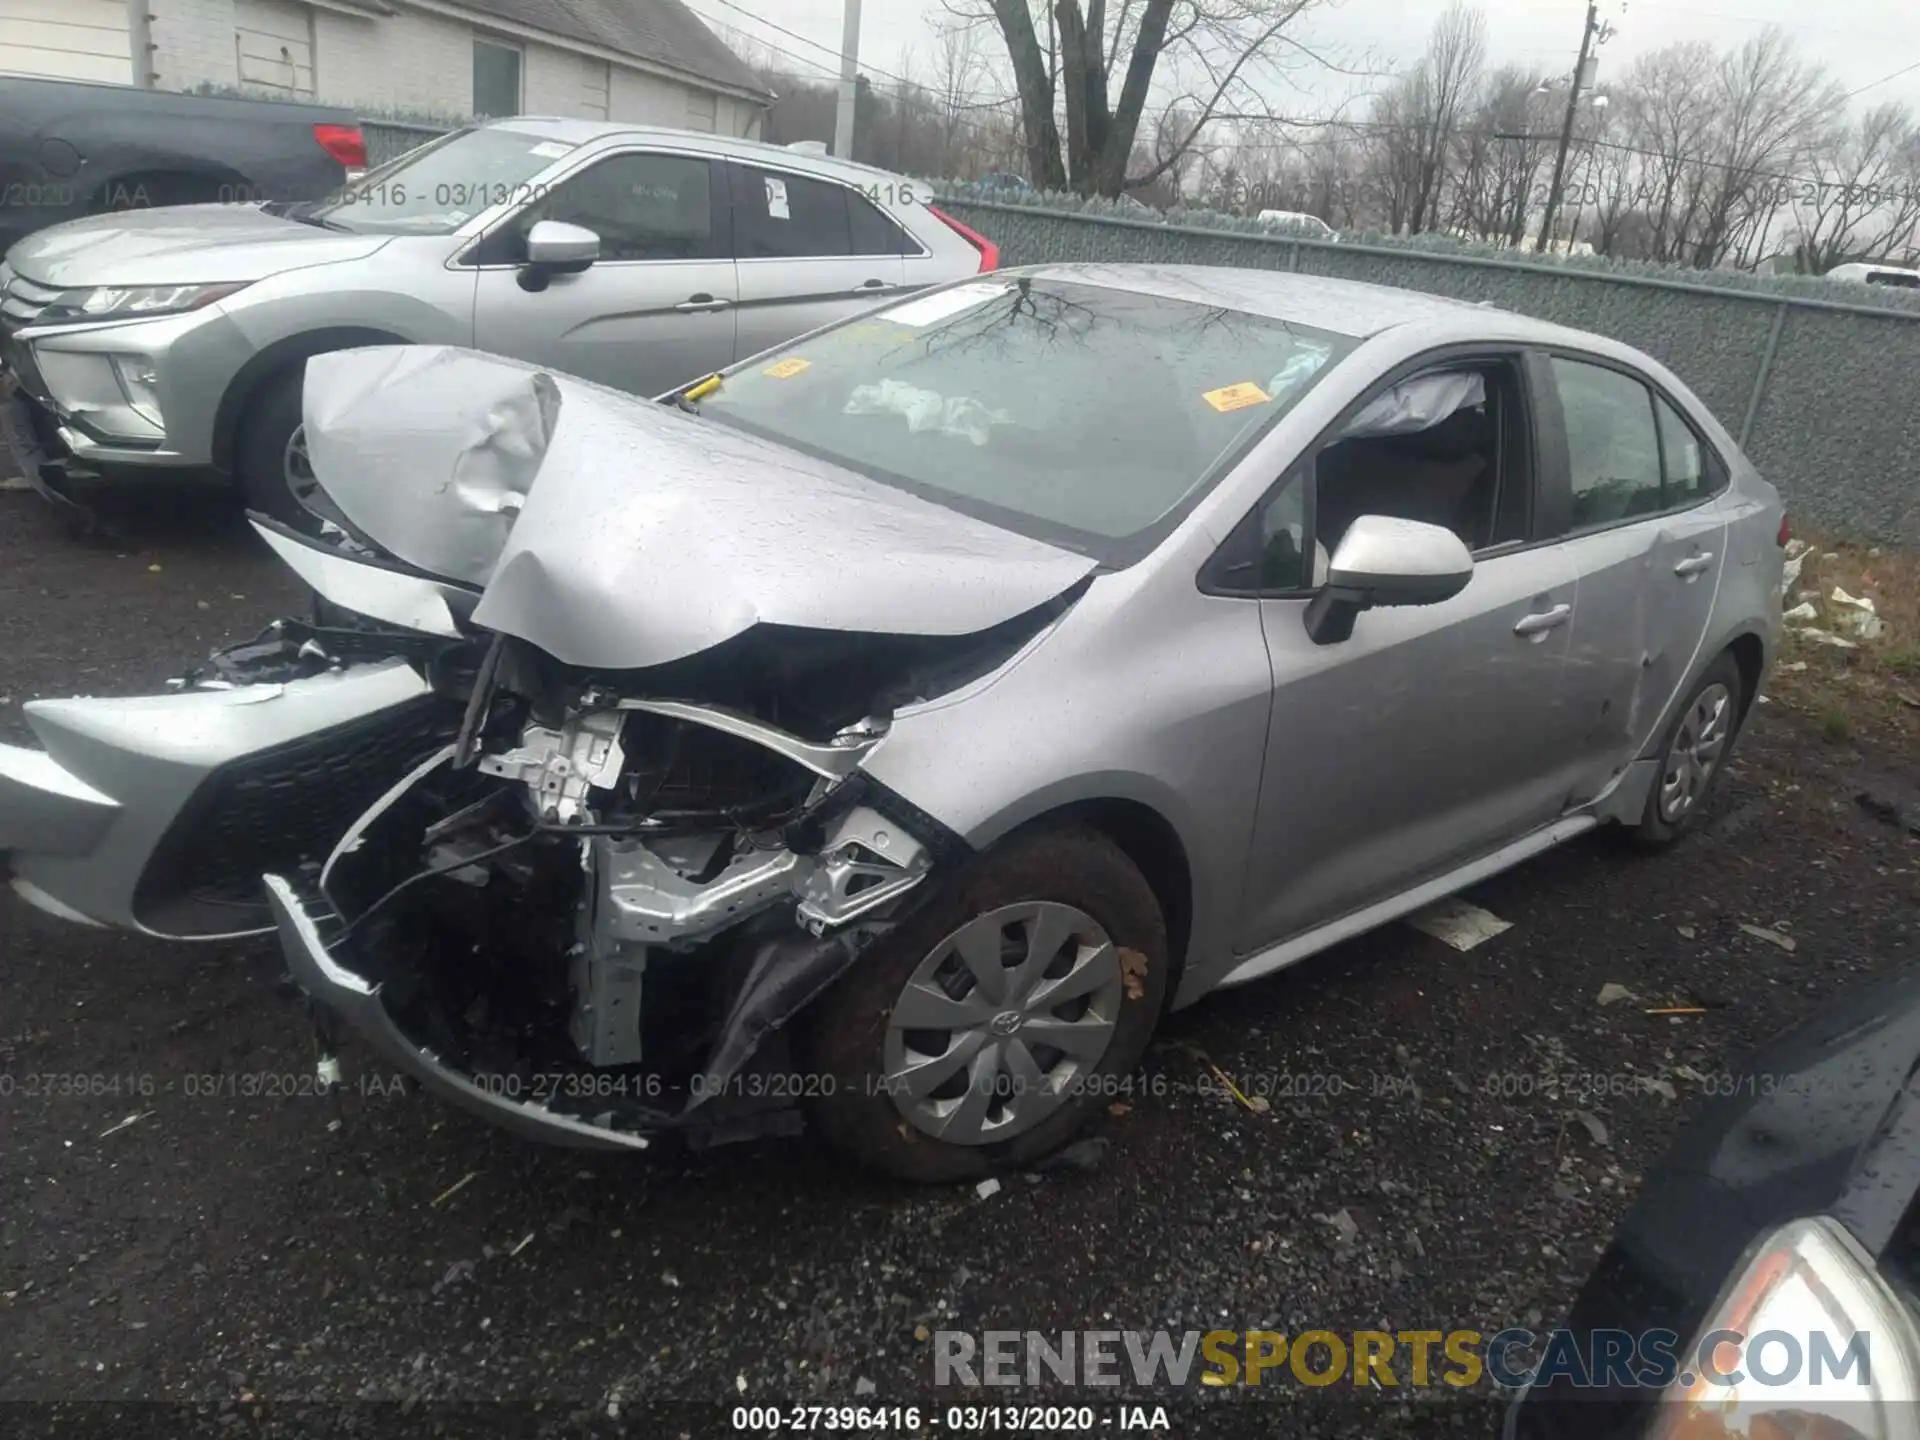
(987, 1189)
(1456, 923)
(1825, 637)
(1851, 618)
(1613, 993)
(1796, 557)
(1857, 614)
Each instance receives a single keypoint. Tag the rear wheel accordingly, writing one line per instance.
(1693, 755)
(270, 453)
(998, 1019)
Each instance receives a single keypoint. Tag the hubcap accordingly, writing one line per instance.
(999, 1021)
(1696, 750)
(301, 482)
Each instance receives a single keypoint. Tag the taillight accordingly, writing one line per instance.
(344, 143)
(1786, 531)
(989, 252)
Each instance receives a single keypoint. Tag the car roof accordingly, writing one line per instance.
(1344, 307)
(581, 132)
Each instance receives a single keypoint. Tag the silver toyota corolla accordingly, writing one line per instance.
(173, 340)
(890, 730)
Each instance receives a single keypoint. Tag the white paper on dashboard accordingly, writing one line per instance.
(943, 305)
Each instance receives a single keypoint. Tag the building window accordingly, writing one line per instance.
(496, 79)
(703, 110)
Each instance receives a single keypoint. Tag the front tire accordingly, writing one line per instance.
(1692, 755)
(270, 453)
(998, 1019)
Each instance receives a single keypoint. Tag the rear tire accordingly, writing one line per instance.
(265, 447)
(1693, 753)
(1063, 925)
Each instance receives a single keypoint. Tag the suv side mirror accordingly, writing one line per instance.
(1382, 560)
(557, 248)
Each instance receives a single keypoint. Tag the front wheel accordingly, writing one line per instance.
(998, 1019)
(270, 455)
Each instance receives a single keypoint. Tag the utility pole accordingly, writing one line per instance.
(849, 80)
(1593, 28)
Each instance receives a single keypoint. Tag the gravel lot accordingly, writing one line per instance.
(240, 1257)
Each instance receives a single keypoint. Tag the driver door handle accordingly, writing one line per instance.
(1544, 621)
(702, 301)
(866, 285)
(1693, 564)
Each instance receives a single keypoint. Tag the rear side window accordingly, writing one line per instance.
(788, 217)
(873, 232)
(1905, 279)
(1693, 472)
(1612, 446)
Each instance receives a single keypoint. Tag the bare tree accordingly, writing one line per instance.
(1444, 85)
(1094, 63)
(1859, 199)
(1767, 102)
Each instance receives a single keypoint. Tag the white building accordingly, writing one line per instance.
(642, 60)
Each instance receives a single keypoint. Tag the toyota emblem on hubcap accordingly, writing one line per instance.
(1006, 1022)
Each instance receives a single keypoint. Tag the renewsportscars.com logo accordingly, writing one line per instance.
(1400, 1359)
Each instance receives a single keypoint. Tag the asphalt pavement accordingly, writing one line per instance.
(1439, 1139)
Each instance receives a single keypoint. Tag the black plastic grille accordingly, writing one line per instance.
(276, 810)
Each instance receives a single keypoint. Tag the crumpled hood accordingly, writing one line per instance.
(180, 245)
(617, 533)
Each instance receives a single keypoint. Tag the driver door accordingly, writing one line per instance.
(1432, 734)
(656, 310)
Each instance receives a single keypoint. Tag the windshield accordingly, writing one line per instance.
(1075, 412)
(439, 187)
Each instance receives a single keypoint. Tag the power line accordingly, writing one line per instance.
(1905, 70)
(837, 55)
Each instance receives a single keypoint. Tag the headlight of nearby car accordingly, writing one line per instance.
(106, 302)
(1809, 1340)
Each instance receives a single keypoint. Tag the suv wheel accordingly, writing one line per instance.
(270, 454)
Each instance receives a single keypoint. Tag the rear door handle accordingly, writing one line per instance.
(1694, 564)
(702, 301)
(869, 285)
(1544, 621)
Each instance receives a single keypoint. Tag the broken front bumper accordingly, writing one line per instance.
(356, 1000)
(154, 813)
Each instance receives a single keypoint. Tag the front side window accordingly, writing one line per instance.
(1433, 448)
(1082, 414)
(643, 207)
(437, 188)
(1611, 444)
(788, 217)
(496, 79)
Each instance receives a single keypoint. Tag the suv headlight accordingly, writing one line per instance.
(106, 302)
(1811, 1342)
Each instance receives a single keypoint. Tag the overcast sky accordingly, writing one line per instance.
(1860, 41)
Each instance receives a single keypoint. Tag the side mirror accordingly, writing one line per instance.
(1382, 560)
(557, 248)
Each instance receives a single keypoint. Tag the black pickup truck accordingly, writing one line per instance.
(70, 149)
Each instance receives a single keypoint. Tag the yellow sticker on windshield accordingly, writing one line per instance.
(788, 368)
(1236, 397)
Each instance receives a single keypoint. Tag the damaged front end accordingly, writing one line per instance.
(591, 915)
(558, 800)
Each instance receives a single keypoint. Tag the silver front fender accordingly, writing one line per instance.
(82, 818)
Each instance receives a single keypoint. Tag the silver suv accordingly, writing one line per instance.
(175, 340)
